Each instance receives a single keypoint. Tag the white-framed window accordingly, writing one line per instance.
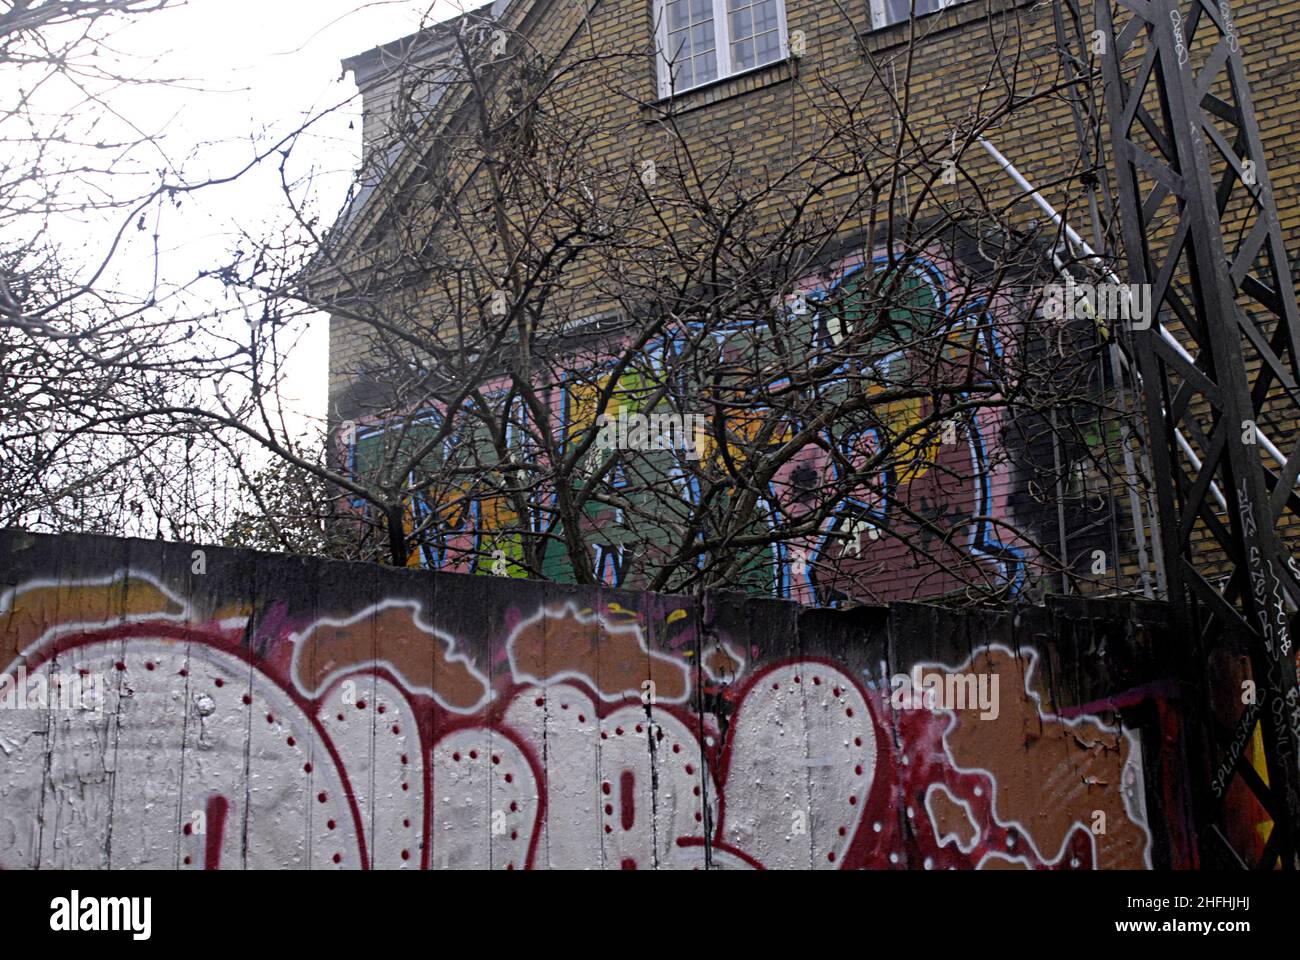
(886, 12)
(701, 41)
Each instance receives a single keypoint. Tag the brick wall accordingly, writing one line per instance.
(958, 61)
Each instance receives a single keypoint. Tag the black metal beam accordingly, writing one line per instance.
(1200, 224)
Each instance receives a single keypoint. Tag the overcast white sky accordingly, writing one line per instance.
(261, 67)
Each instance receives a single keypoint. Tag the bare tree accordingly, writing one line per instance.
(79, 182)
(822, 349)
(585, 349)
(95, 337)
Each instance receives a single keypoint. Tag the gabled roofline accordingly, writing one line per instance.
(378, 61)
(375, 62)
(357, 218)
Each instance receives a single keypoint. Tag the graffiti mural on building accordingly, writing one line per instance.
(960, 484)
(596, 730)
(940, 515)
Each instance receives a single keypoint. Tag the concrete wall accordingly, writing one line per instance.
(233, 709)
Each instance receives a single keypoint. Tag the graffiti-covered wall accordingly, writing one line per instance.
(174, 706)
(893, 509)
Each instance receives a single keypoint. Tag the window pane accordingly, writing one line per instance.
(679, 45)
(896, 11)
(691, 41)
(755, 39)
(768, 47)
(705, 68)
(742, 25)
(742, 55)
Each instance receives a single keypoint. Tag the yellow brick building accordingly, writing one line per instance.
(867, 112)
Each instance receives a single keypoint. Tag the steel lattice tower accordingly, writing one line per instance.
(1219, 370)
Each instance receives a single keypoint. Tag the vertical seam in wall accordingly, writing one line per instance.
(250, 630)
(702, 607)
(115, 725)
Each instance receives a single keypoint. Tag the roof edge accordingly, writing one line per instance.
(369, 64)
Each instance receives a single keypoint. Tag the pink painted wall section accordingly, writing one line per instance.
(976, 487)
(238, 710)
